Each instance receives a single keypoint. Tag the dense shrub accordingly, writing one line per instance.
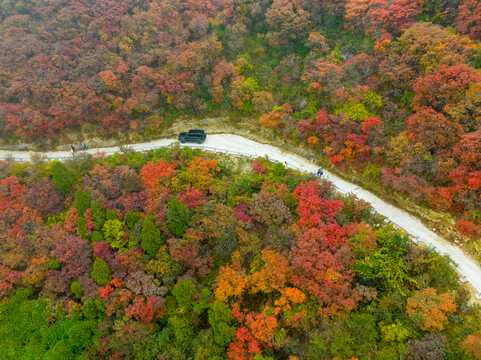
(76, 289)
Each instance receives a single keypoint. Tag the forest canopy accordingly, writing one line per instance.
(178, 254)
(132, 65)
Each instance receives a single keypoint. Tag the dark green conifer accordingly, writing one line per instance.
(93, 309)
(77, 289)
(82, 227)
(150, 238)
(82, 201)
(111, 215)
(178, 216)
(101, 273)
(54, 264)
(62, 178)
(131, 218)
(98, 214)
(96, 236)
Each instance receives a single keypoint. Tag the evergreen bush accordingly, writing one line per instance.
(178, 216)
(101, 273)
(62, 178)
(82, 201)
(131, 218)
(111, 215)
(77, 289)
(82, 227)
(150, 238)
(93, 309)
(98, 214)
(96, 236)
(54, 264)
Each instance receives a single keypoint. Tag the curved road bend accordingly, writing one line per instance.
(239, 145)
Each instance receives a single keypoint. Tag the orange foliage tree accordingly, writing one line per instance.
(262, 326)
(151, 173)
(276, 117)
(273, 275)
(199, 174)
(271, 120)
(472, 345)
(231, 281)
(429, 308)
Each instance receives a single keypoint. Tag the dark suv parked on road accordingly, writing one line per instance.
(193, 136)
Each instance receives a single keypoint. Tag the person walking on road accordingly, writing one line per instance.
(84, 147)
(320, 172)
(72, 149)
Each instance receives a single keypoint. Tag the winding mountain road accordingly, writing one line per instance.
(239, 145)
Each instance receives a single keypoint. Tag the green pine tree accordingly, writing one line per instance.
(93, 309)
(111, 215)
(178, 216)
(82, 227)
(98, 214)
(96, 236)
(131, 218)
(101, 273)
(54, 264)
(221, 320)
(150, 238)
(82, 201)
(62, 178)
(77, 289)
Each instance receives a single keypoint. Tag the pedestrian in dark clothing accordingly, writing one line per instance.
(84, 146)
(72, 149)
(320, 172)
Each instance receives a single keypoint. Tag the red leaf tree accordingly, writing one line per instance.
(468, 20)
